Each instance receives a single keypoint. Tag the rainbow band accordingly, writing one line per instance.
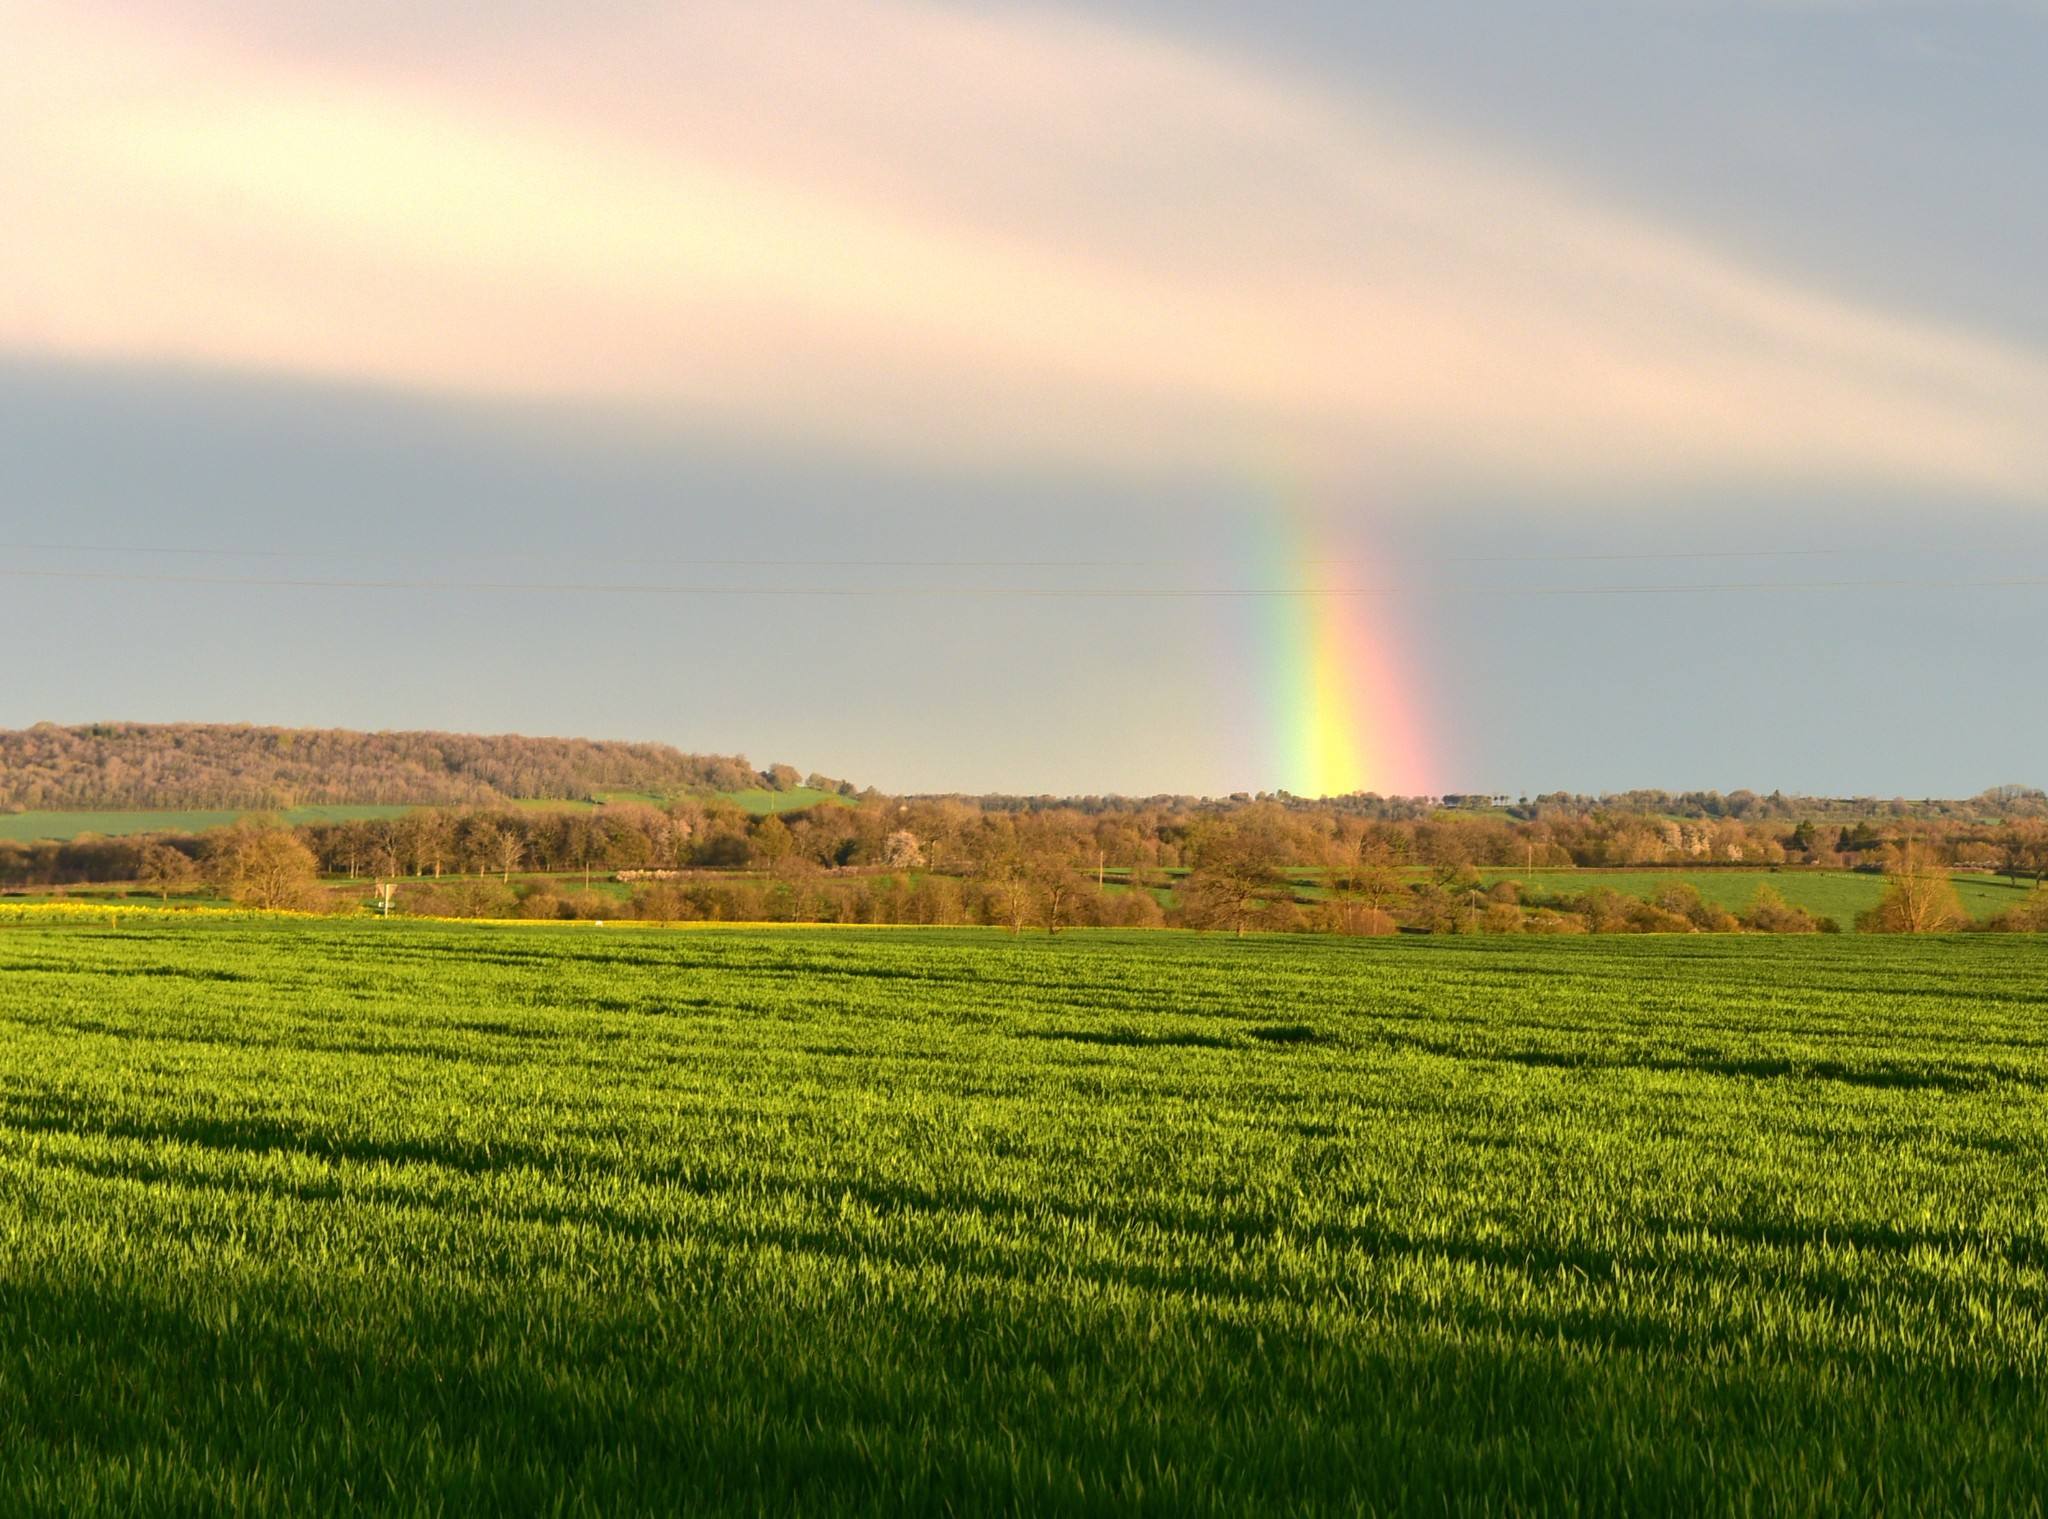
(1343, 719)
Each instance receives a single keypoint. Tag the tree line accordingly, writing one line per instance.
(104, 766)
(952, 835)
(223, 766)
(1233, 867)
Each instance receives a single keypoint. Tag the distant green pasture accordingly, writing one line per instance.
(28, 827)
(1837, 894)
(760, 800)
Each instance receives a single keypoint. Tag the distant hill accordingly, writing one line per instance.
(231, 766)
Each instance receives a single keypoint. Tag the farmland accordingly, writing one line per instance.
(1839, 895)
(760, 801)
(31, 826)
(1836, 894)
(27, 827)
(312, 1216)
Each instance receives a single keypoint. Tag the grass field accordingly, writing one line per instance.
(327, 1217)
(795, 799)
(758, 800)
(27, 827)
(1837, 894)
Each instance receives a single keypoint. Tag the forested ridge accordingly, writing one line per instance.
(211, 765)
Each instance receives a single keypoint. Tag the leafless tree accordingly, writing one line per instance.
(166, 868)
(1920, 898)
(1236, 869)
(511, 851)
(265, 866)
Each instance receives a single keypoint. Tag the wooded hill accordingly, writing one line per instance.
(208, 765)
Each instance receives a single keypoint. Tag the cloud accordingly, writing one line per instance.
(968, 236)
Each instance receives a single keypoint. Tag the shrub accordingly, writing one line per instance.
(1770, 913)
(2030, 917)
(1501, 918)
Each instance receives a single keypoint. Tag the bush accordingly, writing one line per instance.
(1684, 899)
(2030, 917)
(1769, 913)
(1648, 918)
(1133, 909)
(469, 897)
(537, 900)
(1916, 903)
(662, 902)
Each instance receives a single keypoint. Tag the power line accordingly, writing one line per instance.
(1091, 593)
(1164, 561)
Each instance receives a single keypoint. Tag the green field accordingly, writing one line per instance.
(1837, 894)
(28, 827)
(760, 800)
(335, 1217)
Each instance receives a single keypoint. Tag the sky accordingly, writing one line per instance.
(1040, 397)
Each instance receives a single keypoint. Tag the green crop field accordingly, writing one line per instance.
(27, 827)
(758, 800)
(1837, 894)
(30, 827)
(761, 800)
(331, 1217)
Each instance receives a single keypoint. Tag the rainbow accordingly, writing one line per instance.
(1342, 718)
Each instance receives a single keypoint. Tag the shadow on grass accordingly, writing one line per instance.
(1758, 1068)
(258, 1134)
(754, 1402)
(1131, 1038)
(1287, 1033)
(1279, 1034)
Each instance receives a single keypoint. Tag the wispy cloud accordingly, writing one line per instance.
(967, 235)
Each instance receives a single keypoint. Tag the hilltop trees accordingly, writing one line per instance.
(231, 765)
(1350, 865)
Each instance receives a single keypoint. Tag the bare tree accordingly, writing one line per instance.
(1363, 886)
(265, 866)
(167, 869)
(1920, 899)
(511, 851)
(1010, 892)
(2023, 849)
(1057, 886)
(1235, 871)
